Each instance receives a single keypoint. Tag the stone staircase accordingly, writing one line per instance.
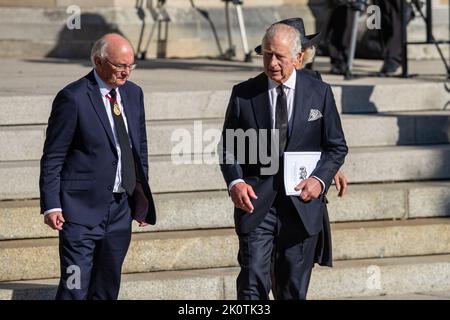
(391, 232)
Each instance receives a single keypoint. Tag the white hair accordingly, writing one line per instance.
(292, 34)
(99, 50)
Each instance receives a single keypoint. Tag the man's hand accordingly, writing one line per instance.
(341, 183)
(241, 194)
(55, 220)
(142, 224)
(311, 189)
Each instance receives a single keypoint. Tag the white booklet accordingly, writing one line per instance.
(298, 166)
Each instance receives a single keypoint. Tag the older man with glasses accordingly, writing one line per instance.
(94, 172)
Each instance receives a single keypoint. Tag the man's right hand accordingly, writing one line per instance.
(241, 194)
(54, 220)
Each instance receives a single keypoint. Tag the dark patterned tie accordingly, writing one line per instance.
(281, 118)
(128, 168)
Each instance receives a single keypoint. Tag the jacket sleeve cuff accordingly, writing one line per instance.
(51, 210)
(321, 182)
(232, 183)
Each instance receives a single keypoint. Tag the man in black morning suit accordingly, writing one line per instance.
(305, 60)
(280, 237)
(94, 172)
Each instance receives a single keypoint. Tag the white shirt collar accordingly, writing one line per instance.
(290, 83)
(104, 88)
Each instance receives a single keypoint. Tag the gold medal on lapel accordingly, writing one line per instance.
(116, 109)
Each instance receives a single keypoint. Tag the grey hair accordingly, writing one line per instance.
(292, 34)
(99, 49)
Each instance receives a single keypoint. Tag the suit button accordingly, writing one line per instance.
(114, 163)
(109, 188)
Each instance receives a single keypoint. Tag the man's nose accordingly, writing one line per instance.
(273, 61)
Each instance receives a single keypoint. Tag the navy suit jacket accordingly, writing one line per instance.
(78, 166)
(249, 108)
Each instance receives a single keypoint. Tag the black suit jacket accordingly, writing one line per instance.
(312, 73)
(249, 108)
(78, 166)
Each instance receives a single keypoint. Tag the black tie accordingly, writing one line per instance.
(128, 169)
(281, 118)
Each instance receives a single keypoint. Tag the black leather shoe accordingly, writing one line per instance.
(390, 67)
(338, 68)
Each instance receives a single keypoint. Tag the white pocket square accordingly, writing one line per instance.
(314, 114)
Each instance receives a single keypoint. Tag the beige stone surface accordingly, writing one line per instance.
(214, 248)
(203, 210)
(428, 202)
(362, 165)
(404, 278)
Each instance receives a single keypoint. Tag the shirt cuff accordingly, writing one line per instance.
(323, 184)
(51, 210)
(232, 183)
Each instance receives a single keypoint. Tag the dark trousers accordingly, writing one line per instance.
(391, 25)
(340, 26)
(339, 34)
(91, 258)
(277, 255)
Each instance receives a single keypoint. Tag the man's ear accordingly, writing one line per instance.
(300, 57)
(97, 61)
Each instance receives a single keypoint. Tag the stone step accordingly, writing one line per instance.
(398, 163)
(400, 128)
(347, 279)
(387, 129)
(158, 105)
(368, 130)
(361, 98)
(438, 295)
(393, 97)
(170, 174)
(205, 210)
(213, 248)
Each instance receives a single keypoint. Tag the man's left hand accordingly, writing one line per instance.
(341, 183)
(311, 189)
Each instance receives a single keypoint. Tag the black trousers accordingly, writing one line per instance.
(339, 34)
(277, 255)
(340, 26)
(391, 26)
(91, 258)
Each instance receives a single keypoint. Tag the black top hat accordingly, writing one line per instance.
(297, 23)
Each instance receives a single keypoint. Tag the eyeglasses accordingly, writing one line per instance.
(122, 67)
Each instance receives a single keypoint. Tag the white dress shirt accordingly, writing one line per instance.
(289, 90)
(104, 91)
